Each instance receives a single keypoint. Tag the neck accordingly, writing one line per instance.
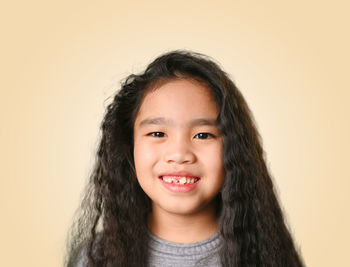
(183, 228)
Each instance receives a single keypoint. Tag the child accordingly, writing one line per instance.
(180, 177)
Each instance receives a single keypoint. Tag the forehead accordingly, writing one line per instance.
(178, 101)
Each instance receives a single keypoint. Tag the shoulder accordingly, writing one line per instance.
(82, 259)
(78, 257)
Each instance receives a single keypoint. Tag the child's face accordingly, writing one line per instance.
(175, 138)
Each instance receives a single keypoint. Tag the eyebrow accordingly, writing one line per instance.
(192, 123)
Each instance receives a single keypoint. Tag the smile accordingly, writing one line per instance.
(179, 180)
(179, 184)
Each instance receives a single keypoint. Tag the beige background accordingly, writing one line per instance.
(61, 60)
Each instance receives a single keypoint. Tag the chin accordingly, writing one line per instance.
(182, 208)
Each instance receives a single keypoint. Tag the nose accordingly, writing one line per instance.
(179, 151)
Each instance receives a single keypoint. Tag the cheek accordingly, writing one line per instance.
(144, 158)
(213, 158)
(213, 161)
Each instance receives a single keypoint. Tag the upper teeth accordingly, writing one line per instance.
(179, 180)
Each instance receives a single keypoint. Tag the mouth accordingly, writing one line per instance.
(179, 180)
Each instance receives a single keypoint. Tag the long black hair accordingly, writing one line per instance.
(112, 226)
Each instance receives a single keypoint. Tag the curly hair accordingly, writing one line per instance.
(251, 222)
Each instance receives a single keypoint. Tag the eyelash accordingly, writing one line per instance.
(156, 134)
(209, 135)
(153, 134)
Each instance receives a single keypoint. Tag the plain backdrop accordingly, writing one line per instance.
(61, 61)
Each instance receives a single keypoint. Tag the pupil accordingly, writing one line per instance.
(203, 135)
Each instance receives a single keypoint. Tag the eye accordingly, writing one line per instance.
(157, 134)
(204, 136)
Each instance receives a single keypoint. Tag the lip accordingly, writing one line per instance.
(179, 188)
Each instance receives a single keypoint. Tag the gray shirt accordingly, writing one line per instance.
(169, 254)
(165, 254)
